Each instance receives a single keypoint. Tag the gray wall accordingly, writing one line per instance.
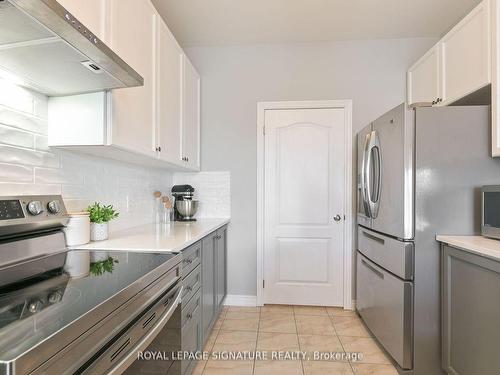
(235, 78)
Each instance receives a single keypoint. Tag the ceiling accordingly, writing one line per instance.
(232, 22)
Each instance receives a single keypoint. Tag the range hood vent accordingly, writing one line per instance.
(47, 49)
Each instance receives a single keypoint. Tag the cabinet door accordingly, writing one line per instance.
(208, 256)
(423, 78)
(466, 55)
(221, 265)
(89, 12)
(190, 115)
(191, 331)
(169, 64)
(470, 309)
(495, 84)
(132, 36)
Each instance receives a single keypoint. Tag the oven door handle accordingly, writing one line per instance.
(125, 362)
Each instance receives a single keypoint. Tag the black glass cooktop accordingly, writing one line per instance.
(34, 311)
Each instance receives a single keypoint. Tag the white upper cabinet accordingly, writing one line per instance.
(190, 115)
(466, 55)
(458, 65)
(158, 123)
(132, 35)
(423, 78)
(90, 13)
(169, 81)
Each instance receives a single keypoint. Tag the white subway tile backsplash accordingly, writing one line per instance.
(212, 190)
(58, 176)
(16, 173)
(15, 137)
(29, 166)
(41, 143)
(22, 156)
(16, 97)
(20, 120)
(28, 189)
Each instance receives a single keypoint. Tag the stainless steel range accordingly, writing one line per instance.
(51, 323)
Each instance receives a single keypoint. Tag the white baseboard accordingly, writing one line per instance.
(240, 300)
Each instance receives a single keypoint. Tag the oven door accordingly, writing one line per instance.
(147, 346)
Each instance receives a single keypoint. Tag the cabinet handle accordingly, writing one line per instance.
(159, 149)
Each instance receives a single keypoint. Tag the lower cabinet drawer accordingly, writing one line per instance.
(191, 283)
(191, 257)
(191, 331)
(385, 302)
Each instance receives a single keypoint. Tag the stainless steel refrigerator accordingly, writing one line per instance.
(419, 174)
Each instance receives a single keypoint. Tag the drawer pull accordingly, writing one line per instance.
(188, 261)
(374, 238)
(148, 320)
(189, 288)
(189, 316)
(371, 268)
(120, 349)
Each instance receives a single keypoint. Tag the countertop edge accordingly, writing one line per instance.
(104, 245)
(479, 245)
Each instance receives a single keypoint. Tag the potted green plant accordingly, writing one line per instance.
(100, 216)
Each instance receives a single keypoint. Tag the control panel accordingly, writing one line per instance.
(11, 209)
(27, 208)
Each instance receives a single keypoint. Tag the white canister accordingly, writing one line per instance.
(77, 230)
(98, 231)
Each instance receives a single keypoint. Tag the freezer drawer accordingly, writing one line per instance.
(393, 255)
(385, 303)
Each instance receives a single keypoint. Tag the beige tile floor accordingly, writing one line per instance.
(293, 328)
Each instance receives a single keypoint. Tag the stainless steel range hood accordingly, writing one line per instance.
(46, 48)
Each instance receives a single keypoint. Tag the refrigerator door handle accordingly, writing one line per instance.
(364, 169)
(373, 169)
(378, 154)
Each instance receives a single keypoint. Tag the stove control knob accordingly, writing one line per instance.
(54, 207)
(34, 306)
(35, 208)
(54, 297)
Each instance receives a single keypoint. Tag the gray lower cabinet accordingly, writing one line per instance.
(213, 271)
(470, 309)
(191, 328)
(204, 282)
(221, 287)
(208, 257)
(191, 331)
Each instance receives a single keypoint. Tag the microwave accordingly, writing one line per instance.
(490, 211)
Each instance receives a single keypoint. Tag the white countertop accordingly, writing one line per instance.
(474, 244)
(171, 237)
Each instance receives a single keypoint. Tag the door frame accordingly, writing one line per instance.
(348, 253)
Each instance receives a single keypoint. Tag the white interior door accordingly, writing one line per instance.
(304, 192)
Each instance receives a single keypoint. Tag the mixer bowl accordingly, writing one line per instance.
(187, 208)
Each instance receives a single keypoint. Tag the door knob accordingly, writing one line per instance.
(337, 218)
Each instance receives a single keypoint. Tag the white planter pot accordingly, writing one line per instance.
(98, 232)
(98, 256)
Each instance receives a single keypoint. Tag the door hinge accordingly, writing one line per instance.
(263, 130)
(263, 284)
